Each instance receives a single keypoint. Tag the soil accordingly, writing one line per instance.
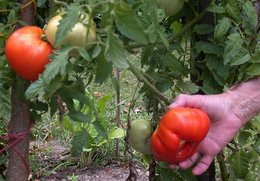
(53, 152)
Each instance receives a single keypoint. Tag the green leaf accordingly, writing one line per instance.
(116, 133)
(208, 48)
(235, 53)
(203, 29)
(80, 141)
(250, 17)
(5, 104)
(217, 68)
(103, 69)
(128, 23)
(243, 137)
(216, 9)
(222, 28)
(115, 52)
(37, 88)
(79, 116)
(57, 66)
(187, 87)
(253, 70)
(100, 128)
(233, 10)
(68, 21)
(40, 3)
(163, 36)
(102, 102)
(240, 164)
(176, 27)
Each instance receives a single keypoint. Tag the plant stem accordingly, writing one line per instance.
(222, 166)
(140, 76)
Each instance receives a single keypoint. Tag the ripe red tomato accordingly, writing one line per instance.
(178, 134)
(27, 53)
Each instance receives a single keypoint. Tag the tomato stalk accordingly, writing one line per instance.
(140, 76)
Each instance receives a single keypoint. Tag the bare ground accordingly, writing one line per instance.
(53, 152)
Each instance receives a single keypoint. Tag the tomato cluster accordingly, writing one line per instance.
(176, 137)
(28, 53)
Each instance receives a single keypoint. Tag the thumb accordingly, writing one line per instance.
(184, 100)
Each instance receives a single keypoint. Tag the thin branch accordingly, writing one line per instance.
(140, 76)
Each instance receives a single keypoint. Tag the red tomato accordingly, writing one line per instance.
(27, 53)
(178, 134)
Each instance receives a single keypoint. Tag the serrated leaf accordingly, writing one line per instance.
(57, 66)
(5, 104)
(116, 133)
(235, 53)
(233, 10)
(163, 36)
(222, 28)
(187, 87)
(103, 69)
(176, 27)
(253, 70)
(115, 51)
(240, 164)
(79, 116)
(100, 128)
(203, 29)
(250, 17)
(216, 9)
(208, 48)
(37, 88)
(128, 23)
(80, 141)
(68, 21)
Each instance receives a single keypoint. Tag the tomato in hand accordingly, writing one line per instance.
(171, 7)
(178, 134)
(83, 34)
(27, 53)
(139, 135)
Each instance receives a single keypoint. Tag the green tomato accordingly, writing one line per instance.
(139, 135)
(171, 7)
(80, 36)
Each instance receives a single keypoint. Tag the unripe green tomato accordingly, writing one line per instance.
(80, 36)
(139, 135)
(171, 7)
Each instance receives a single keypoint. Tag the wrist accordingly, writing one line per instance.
(245, 99)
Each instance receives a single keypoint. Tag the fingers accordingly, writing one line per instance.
(203, 165)
(189, 162)
(184, 100)
(180, 101)
(200, 168)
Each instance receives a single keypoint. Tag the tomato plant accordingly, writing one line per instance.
(139, 135)
(179, 133)
(191, 53)
(171, 7)
(83, 34)
(27, 53)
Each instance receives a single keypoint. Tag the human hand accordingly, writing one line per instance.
(225, 123)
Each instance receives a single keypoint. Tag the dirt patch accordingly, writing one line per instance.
(54, 152)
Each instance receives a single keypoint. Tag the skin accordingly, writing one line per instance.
(228, 113)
